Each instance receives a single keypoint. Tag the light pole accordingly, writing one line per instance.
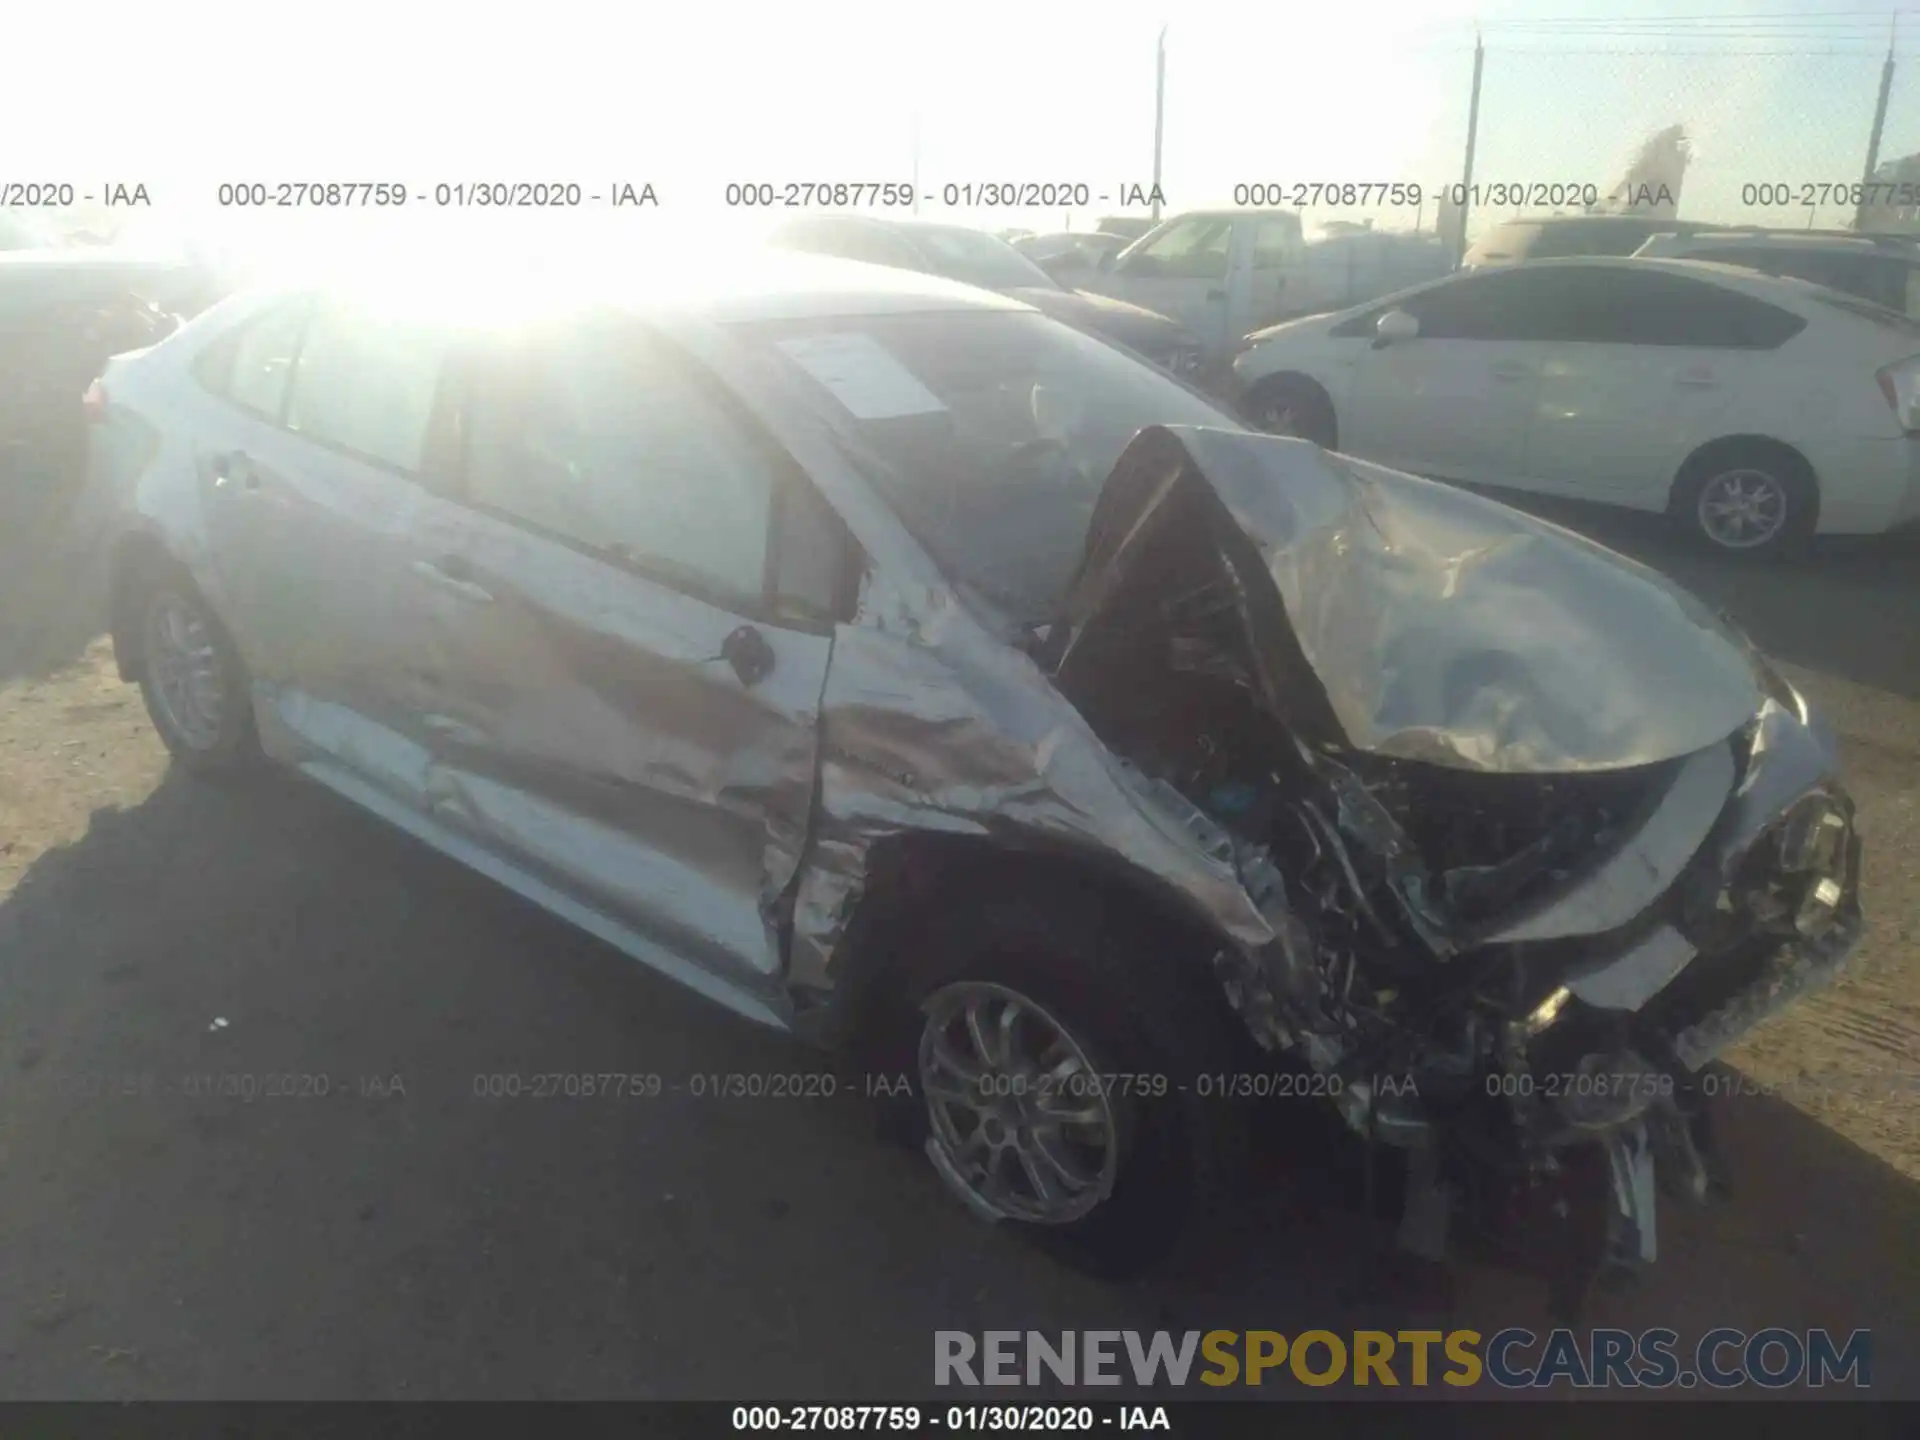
(1860, 211)
(1159, 115)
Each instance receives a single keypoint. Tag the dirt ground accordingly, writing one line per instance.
(402, 1236)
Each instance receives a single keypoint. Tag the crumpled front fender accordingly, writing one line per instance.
(931, 725)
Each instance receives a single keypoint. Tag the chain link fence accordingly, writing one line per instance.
(1768, 139)
(1738, 126)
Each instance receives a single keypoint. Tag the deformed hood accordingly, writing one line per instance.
(1417, 620)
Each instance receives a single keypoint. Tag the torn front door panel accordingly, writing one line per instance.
(1438, 625)
(588, 723)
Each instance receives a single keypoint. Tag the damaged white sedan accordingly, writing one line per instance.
(905, 670)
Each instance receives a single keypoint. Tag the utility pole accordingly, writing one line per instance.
(1879, 124)
(1473, 134)
(1159, 115)
(916, 162)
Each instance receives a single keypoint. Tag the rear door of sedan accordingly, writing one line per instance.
(630, 601)
(316, 453)
(1644, 365)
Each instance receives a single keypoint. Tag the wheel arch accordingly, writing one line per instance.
(912, 880)
(139, 557)
(1302, 378)
(1727, 447)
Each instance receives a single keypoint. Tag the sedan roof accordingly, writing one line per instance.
(752, 284)
(1733, 277)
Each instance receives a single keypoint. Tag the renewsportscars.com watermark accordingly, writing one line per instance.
(1511, 1359)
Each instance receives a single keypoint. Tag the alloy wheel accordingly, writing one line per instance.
(1742, 509)
(185, 665)
(1021, 1124)
(1280, 418)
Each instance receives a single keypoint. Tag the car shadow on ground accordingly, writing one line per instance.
(258, 1051)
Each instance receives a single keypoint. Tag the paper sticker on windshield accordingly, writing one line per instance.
(863, 376)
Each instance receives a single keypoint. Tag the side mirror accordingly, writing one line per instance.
(1396, 327)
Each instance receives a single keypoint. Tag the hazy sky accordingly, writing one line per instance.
(196, 92)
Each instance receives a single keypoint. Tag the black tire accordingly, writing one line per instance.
(231, 750)
(1771, 477)
(1292, 405)
(1097, 970)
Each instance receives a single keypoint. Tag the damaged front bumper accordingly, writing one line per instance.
(1567, 1118)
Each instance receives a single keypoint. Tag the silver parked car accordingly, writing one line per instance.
(907, 670)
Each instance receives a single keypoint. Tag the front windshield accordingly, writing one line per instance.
(976, 258)
(991, 432)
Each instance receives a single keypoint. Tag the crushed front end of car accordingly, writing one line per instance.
(1537, 836)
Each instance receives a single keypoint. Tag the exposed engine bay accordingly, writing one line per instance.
(1516, 975)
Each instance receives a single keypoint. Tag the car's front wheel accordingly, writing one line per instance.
(1055, 1067)
(193, 681)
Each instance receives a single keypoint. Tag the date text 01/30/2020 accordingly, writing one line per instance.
(825, 1085)
(958, 1419)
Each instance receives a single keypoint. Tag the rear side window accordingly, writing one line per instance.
(367, 384)
(1861, 275)
(1626, 307)
(252, 366)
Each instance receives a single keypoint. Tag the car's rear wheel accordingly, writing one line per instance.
(1746, 498)
(1293, 405)
(1054, 1069)
(193, 681)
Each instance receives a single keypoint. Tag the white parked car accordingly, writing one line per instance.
(1754, 409)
